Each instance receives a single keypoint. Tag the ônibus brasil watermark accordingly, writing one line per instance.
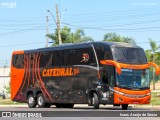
(9, 5)
(144, 3)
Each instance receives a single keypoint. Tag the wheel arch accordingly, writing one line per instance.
(28, 93)
(38, 92)
(91, 93)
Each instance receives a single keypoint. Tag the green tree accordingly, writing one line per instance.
(7, 88)
(65, 32)
(69, 37)
(153, 55)
(113, 37)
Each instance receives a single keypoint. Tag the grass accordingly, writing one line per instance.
(155, 100)
(9, 102)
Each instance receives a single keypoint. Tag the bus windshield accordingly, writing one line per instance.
(129, 55)
(133, 79)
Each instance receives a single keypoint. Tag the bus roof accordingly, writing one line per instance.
(81, 45)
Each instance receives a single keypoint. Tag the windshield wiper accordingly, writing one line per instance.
(130, 87)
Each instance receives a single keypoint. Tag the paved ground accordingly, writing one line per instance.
(81, 112)
(76, 108)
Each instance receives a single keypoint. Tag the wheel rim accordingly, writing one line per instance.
(40, 100)
(31, 100)
(93, 101)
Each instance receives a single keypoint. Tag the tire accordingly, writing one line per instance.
(68, 105)
(40, 101)
(31, 101)
(95, 101)
(124, 106)
(47, 105)
(58, 105)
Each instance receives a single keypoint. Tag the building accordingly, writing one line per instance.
(4, 78)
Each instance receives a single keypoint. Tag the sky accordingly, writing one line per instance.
(23, 22)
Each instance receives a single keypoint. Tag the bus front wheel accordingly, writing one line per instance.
(95, 101)
(124, 106)
(31, 101)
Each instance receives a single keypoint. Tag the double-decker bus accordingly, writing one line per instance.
(88, 73)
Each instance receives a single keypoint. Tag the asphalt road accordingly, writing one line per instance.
(75, 108)
(83, 112)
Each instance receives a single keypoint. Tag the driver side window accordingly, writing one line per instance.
(108, 75)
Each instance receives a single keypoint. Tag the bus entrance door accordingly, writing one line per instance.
(108, 81)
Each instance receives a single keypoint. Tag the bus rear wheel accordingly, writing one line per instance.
(95, 101)
(31, 101)
(124, 106)
(41, 101)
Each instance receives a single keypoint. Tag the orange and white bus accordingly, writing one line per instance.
(88, 73)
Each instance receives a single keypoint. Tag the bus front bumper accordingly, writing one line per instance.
(122, 96)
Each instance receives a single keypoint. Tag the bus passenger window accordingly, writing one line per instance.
(100, 52)
(31, 60)
(46, 59)
(108, 55)
(18, 61)
(58, 58)
(71, 57)
(87, 57)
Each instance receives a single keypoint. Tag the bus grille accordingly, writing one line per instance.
(135, 96)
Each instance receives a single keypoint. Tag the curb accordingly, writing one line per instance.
(85, 105)
(13, 105)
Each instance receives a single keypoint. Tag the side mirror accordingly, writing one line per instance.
(156, 66)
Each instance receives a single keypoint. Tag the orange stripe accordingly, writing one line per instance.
(130, 66)
(24, 79)
(42, 81)
(28, 70)
(33, 73)
(156, 66)
(36, 65)
(111, 62)
(39, 82)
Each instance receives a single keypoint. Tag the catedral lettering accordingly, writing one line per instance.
(88, 73)
(57, 72)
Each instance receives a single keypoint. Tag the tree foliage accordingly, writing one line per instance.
(113, 37)
(153, 55)
(7, 88)
(69, 37)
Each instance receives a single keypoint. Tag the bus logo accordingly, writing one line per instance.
(60, 72)
(85, 57)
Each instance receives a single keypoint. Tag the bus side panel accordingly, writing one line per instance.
(60, 89)
(17, 76)
(83, 82)
(16, 81)
(71, 89)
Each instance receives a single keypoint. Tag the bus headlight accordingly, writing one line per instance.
(121, 93)
(148, 94)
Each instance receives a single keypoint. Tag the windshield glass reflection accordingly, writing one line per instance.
(133, 79)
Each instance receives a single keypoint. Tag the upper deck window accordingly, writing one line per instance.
(129, 55)
(18, 61)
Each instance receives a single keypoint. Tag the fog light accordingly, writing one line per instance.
(148, 94)
(120, 99)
